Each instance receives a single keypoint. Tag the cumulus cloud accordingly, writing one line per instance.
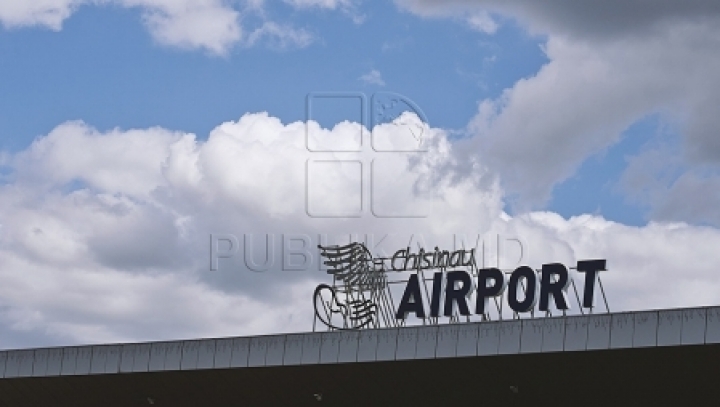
(121, 219)
(374, 77)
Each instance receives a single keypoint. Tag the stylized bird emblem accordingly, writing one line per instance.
(358, 281)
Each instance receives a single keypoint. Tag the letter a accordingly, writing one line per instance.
(411, 300)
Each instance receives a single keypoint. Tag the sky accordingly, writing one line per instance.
(139, 136)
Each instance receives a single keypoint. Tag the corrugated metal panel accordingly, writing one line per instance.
(157, 356)
(669, 327)
(489, 338)
(127, 358)
(693, 327)
(406, 343)
(141, 361)
(553, 335)
(510, 333)
(3, 362)
(206, 357)
(112, 362)
(645, 332)
(621, 332)
(602, 331)
(532, 335)
(26, 363)
(258, 349)
(293, 349)
(190, 351)
(275, 350)
(97, 365)
(223, 353)
(712, 332)
(40, 362)
(387, 344)
(84, 360)
(447, 336)
(54, 364)
(241, 349)
(598, 336)
(348, 346)
(171, 355)
(576, 333)
(330, 347)
(69, 361)
(426, 342)
(468, 336)
(367, 345)
(12, 364)
(311, 349)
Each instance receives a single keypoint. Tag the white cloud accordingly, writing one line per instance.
(603, 75)
(348, 7)
(655, 266)
(372, 78)
(48, 13)
(121, 220)
(192, 24)
(542, 128)
(210, 25)
(483, 22)
(280, 36)
(327, 4)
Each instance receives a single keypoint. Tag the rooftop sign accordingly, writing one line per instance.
(363, 290)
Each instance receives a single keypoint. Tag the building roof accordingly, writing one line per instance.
(666, 354)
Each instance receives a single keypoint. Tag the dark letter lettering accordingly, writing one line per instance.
(528, 274)
(548, 286)
(436, 294)
(590, 268)
(411, 300)
(400, 254)
(485, 291)
(457, 295)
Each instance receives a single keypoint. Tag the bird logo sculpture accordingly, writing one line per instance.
(358, 282)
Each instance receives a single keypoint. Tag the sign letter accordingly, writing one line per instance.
(411, 300)
(485, 290)
(556, 288)
(590, 268)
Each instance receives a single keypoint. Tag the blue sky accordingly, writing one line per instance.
(130, 130)
(89, 71)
